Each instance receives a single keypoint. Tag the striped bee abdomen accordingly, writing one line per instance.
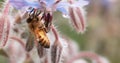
(42, 38)
(44, 42)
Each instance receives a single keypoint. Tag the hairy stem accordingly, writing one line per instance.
(88, 55)
(55, 33)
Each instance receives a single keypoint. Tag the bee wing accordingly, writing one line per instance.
(41, 50)
(29, 43)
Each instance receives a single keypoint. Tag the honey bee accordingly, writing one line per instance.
(38, 29)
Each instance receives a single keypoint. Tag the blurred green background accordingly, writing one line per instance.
(103, 32)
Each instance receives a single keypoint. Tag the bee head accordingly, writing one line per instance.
(33, 15)
(31, 19)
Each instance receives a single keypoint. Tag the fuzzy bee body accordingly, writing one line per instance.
(38, 29)
(41, 37)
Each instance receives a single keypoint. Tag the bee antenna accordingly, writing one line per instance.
(34, 13)
(31, 12)
(38, 12)
(43, 16)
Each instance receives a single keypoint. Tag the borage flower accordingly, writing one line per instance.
(73, 9)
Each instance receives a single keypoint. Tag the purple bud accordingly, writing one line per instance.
(1, 27)
(56, 52)
(56, 49)
(5, 25)
(77, 18)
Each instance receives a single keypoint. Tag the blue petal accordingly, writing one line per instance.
(19, 4)
(62, 7)
(105, 3)
(49, 2)
(63, 10)
(81, 3)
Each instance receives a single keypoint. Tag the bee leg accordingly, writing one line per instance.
(30, 43)
(46, 30)
(38, 13)
(41, 50)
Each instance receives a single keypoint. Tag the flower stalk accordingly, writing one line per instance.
(56, 48)
(88, 55)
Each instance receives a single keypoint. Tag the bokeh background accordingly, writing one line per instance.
(103, 32)
(102, 35)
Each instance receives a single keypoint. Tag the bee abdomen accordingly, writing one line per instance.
(44, 43)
